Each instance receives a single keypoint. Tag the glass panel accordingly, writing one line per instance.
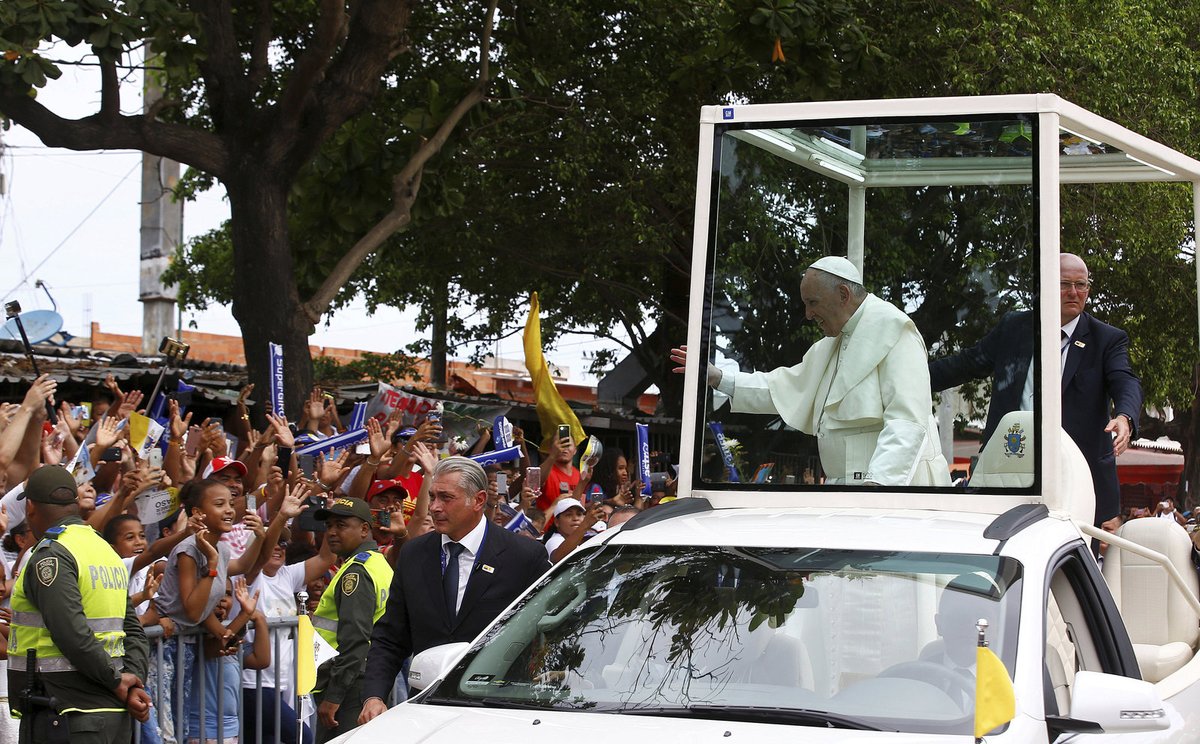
(872, 639)
(824, 381)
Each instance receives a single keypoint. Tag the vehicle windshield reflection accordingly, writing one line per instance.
(869, 639)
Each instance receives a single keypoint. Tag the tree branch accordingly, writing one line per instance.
(221, 63)
(199, 149)
(331, 29)
(405, 187)
(263, 32)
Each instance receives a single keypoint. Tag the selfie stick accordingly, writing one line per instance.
(13, 311)
(174, 352)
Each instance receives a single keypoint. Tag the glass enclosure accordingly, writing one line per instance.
(813, 383)
(839, 637)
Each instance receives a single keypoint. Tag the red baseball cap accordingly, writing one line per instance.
(220, 463)
(380, 486)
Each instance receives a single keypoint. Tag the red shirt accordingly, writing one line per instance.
(551, 487)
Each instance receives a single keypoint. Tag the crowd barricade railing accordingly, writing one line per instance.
(170, 720)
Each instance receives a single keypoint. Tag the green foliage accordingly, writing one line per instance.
(390, 368)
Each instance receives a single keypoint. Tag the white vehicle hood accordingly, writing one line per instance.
(437, 723)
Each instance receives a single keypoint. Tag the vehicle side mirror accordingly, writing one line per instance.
(433, 663)
(1112, 704)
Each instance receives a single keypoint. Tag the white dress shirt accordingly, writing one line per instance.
(466, 559)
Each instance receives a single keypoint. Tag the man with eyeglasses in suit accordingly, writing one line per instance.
(1101, 396)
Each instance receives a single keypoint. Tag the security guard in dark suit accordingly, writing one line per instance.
(346, 614)
(71, 606)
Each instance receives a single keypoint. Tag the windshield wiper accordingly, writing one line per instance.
(493, 702)
(757, 714)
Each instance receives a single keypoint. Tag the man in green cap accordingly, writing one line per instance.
(90, 663)
(347, 613)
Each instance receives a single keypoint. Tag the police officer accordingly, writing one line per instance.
(71, 605)
(347, 613)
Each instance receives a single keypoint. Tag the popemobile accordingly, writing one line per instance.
(778, 599)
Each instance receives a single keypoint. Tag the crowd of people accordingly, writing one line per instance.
(257, 536)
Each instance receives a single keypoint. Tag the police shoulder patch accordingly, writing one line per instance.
(46, 571)
(349, 583)
(54, 532)
(362, 557)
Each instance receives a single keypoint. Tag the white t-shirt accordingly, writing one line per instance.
(137, 581)
(277, 598)
(553, 542)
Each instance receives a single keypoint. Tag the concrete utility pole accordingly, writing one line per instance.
(161, 233)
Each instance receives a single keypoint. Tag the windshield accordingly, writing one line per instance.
(862, 639)
(926, 236)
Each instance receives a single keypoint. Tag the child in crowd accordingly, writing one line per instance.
(196, 572)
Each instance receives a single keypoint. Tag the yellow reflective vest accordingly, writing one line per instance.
(325, 619)
(104, 586)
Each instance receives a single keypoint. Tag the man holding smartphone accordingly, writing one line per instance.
(561, 470)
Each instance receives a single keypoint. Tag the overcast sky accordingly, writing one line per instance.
(72, 220)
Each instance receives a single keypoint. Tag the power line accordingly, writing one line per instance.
(74, 230)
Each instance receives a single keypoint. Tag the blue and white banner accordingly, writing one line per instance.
(497, 456)
(358, 416)
(276, 367)
(517, 521)
(643, 457)
(338, 442)
(502, 433)
(719, 434)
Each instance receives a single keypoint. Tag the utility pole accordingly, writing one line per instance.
(161, 233)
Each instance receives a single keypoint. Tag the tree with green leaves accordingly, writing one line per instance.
(254, 92)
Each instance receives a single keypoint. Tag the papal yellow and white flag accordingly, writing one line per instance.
(995, 702)
(552, 410)
(306, 660)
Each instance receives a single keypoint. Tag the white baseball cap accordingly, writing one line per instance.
(562, 505)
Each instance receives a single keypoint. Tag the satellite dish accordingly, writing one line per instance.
(40, 325)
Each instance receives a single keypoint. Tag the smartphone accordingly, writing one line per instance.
(307, 464)
(502, 484)
(383, 517)
(83, 413)
(595, 493)
(658, 482)
(191, 445)
(564, 431)
(533, 478)
(252, 500)
(112, 454)
(155, 458)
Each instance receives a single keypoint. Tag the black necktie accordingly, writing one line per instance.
(450, 578)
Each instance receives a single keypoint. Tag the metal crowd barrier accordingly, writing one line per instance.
(282, 630)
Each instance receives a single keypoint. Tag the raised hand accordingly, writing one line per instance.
(242, 594)
(106, 433)
(254, 522)
(244, 394)
(179, 426)
(329, 472)
(314, 409)
(378, 442)
(294, 500)
(129, 403)
(39, 392)
(279, 427)
(426, 456)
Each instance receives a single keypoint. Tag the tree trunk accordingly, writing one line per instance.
(438, 343)
(266, 300)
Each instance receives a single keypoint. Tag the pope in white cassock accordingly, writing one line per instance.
(862, 390)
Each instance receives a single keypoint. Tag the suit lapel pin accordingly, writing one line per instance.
(1080, 344)
(487, 569)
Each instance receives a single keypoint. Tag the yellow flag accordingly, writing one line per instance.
(139, 428)
(995, 704)
(552, 410)
(306, 661)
